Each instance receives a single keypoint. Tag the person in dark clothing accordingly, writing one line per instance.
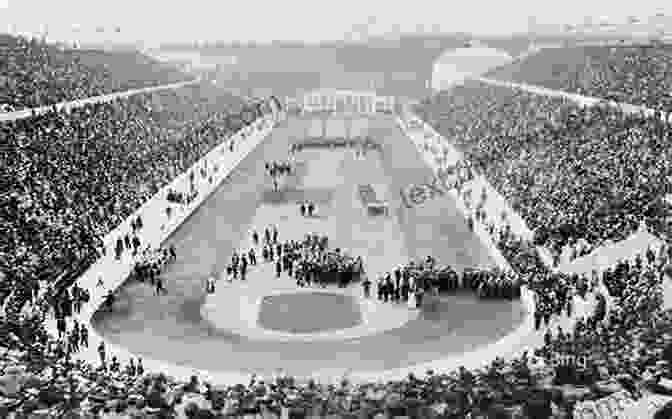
(159, 286)
(303, 209)
(109, 300)
(255, 238)
(101, 353)
(367, 288)
(267, 235)
(537, 318)
(136, 244)
(119, 249)
(278, 268)
(61, 326)
(84, 336)
(140, 369)
(127, 241)
(275, 234)
(243, 268)
(173, 253)
(290, 268)
(253, 257)
(380, 288)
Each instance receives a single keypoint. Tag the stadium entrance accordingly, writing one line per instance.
(346, 101)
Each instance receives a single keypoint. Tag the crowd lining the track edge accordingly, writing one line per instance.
(579, 177)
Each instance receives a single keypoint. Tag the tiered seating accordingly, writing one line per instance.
(571, 173)
(639, 75)
(34, 74)
(68, 179)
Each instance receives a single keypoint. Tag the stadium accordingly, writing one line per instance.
(431, 227)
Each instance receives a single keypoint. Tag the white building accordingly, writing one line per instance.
(346, 101)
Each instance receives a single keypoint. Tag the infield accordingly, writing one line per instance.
(308, 312)
(173, 327)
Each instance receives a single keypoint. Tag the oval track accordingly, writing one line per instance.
(170, 327)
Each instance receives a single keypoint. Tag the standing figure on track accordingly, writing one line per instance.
(255, 238)
(253, 257)
(160, 289)
(267, 235)
(278, 268)
(210, 284)
(367, 287)
(243, 268)
(311, 209)
(303, 209)
(275, 234)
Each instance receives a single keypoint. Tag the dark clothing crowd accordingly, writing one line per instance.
(308, 261)
(591, 174)
(634, 74)
(36, 73)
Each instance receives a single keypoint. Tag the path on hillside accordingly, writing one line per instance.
(25, 113)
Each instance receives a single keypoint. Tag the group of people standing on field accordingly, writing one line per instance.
(309, 261)
(307, 209)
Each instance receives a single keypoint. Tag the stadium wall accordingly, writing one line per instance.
(157, 227)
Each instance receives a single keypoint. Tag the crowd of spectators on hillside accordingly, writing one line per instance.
(621, 353)
(69, 178)
(638, 75)
(572, 173)
(34, 73)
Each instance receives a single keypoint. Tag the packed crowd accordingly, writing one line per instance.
(418, 278)
(572, 173)
(623, 347)
(34, 73)
(626, 353)
(308, 261)
(638, 75)
(54, 213)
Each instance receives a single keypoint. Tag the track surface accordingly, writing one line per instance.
(170, 327)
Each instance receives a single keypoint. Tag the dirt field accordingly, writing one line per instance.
(170, 327)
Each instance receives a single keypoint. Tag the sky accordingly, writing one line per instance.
(156, 21)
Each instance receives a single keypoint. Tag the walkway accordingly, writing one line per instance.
(25, 113)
